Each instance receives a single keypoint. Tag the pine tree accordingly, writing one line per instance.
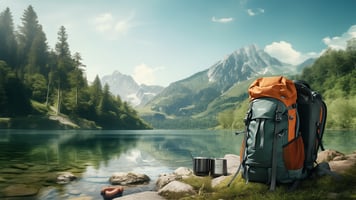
(33, 48)
(64, 66)
(62, 46)
(8, 44)
(38, 54)
(95, 92)
(76, 77)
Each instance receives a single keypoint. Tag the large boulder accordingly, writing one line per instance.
(176, 187)
(178, 174)
(164, 179)
(329, 155)
(128, 178)
(183, 172)
(338, 162)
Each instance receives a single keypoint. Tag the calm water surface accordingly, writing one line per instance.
(34, 157)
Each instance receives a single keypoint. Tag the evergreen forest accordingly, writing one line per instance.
(37, 81)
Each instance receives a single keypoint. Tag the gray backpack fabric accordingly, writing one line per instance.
(266, 141)
(283, 132)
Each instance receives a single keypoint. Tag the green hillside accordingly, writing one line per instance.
(333, 75)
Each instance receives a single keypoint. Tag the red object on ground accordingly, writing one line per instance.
(111, 192)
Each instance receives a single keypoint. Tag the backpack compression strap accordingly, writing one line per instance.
(274, 149)
(246, 121)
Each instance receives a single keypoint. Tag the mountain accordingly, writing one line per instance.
(192, 97)
(307, 63)
(129, 90)
(243, 64)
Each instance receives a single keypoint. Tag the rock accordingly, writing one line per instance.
(338, 162)
(351, 156)
(327, 155)
(20, 190)
(65, 177)
(341, 166)
(233, 162)
(178, 174)
(164, 179)
(183, 171)
(149, 195)
(82, 198)
(176, 187)
(337, 158)
(130, 178)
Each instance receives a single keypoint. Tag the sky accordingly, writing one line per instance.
(158, 42)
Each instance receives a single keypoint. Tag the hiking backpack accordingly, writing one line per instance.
(284, 126)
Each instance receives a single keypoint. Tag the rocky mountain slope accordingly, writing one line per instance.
(129, 90)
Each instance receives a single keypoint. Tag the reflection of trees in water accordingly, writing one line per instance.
(92, 148)
(66, 149)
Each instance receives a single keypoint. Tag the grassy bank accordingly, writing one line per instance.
(325, 187)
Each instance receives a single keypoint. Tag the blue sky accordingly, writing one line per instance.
(162, 41)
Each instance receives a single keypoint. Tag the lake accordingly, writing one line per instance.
(34, 157)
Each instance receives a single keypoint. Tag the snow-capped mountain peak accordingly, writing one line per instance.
(128, 89)
(244, 63)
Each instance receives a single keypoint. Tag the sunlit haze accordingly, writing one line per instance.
(162, 41)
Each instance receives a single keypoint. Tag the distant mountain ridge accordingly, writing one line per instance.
(192, 96)
(129, 90)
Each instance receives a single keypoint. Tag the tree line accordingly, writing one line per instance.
(31, 71)
(333, 75)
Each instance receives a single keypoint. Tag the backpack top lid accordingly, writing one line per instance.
(277, 87)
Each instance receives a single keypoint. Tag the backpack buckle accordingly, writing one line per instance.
(278, 117)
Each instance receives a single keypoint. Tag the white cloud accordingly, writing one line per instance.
(222, 20)
(254, 12)
(284, 52)
(112, 27)
(339, 42)
(103, 22)
(144, 74)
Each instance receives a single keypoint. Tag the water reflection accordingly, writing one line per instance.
(34, 157)
(343, 141)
